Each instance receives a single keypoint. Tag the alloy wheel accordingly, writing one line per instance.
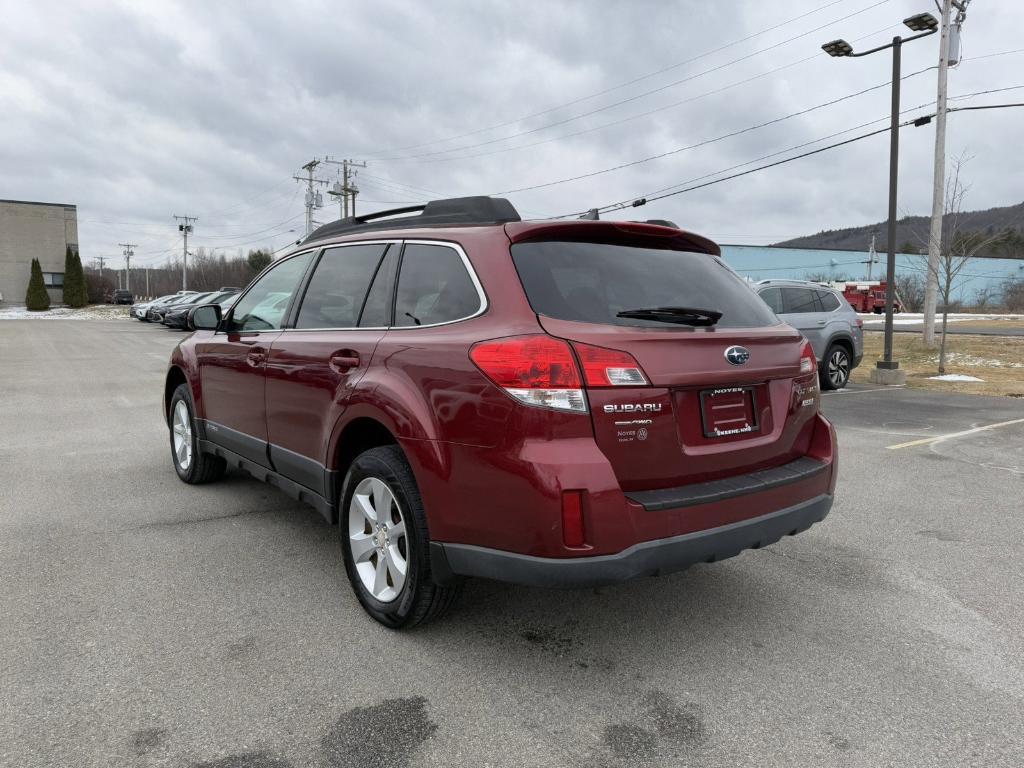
(378, 541)
(182, 427)
(838, 368)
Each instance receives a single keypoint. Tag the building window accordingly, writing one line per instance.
(53, 279)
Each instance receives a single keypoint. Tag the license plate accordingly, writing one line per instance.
(728, 411)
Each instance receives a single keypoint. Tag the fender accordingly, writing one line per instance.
(184, 359)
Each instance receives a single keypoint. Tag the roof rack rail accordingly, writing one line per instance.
(477, 210)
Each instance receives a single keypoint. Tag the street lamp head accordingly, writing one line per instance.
(837, 48)
(922, 22)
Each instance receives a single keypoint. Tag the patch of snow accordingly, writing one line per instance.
(972, 361)
(95, 312)
(955, 377)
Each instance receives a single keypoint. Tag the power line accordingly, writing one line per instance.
(613, 88)
(706, 142)
(916, 121)
(648, 113)
(640, 95)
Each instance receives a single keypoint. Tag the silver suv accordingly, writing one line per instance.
(825, 318)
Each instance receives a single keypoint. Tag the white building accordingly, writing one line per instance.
(30, 230)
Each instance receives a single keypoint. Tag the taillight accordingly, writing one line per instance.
(860, 322)
(535, 370)
(808, 362)
(609, 367)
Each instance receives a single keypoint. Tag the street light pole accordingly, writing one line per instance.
(887, 362)
(887, 369)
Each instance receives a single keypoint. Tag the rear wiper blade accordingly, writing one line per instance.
(682, 315)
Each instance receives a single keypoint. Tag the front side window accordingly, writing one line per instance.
(800, 300)
(597, 282)
(264, 306)
(433, 287)
(338, 287)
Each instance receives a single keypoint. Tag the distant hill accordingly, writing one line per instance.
(913, 231)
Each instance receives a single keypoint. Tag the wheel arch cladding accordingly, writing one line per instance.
(358, 435)
(844, 340)
(175, 378)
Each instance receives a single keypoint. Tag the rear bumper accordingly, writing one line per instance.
(648, 558)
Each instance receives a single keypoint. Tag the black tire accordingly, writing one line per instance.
(836, 367)
(419, 600)
(200, 467)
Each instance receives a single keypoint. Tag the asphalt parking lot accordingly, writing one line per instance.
(149, 623)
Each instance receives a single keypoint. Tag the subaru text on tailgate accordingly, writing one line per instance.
(554, 403)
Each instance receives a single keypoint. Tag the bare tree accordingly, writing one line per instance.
(958, 247)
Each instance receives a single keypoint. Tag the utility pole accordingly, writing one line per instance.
(147, 283)
(128, 253)
(346, 191)
(100, 259)
(931, 287)
(184, 227)
(313, 197)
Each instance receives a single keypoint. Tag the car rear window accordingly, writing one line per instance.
(592, 282)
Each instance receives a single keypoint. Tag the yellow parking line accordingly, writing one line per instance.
(940, 438)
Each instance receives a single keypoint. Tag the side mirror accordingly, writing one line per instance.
(204, 318)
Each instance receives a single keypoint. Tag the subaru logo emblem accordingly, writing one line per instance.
(737, 355)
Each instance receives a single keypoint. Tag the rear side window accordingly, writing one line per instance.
(773, 298)
(592, 282)
(799, 300)
(433, 287)
(829, 301)
(338, 287)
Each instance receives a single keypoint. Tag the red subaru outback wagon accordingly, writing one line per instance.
(553, 403)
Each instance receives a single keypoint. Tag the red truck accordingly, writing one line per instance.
(867, 295)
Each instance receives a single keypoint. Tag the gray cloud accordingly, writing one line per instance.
(137, 112)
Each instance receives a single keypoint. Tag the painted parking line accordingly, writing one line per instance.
(862, 391)
(951, 435)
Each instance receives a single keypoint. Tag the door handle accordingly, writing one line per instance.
(256, 356)
(343, 360)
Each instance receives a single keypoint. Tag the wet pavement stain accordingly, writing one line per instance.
(246, 760)
(940, 536)
(146, 740)
(630, 742)
(681, 723)
(403, 725)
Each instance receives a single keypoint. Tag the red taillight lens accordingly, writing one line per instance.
(536, 370)
(808, 362)
(572, 518)
(609, 367)
(860, 322)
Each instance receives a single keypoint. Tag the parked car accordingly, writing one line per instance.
(553, 403)
(156, 313)
(176, 316)
(139, 309)
(825, 319)
(122, 296)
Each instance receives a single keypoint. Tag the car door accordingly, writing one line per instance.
(232, 362)
(314, 365)
(802, 310)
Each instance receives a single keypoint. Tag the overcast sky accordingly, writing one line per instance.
(138, 111)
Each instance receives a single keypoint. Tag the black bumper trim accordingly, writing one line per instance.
(648, 558)
(728, 487)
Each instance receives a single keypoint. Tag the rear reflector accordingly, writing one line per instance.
(609, 367)
(535, 370)
(572, 518)
(808, 362)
